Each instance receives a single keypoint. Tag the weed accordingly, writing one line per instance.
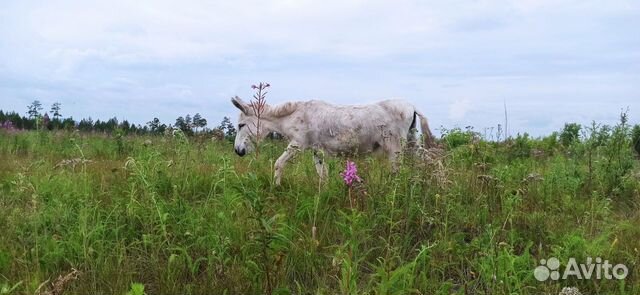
(180, 215)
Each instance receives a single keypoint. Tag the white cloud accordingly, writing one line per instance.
(193, 55)
(459, 108)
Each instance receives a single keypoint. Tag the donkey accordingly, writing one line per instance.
(332, 129)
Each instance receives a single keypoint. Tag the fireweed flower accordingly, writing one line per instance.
(261, 86)
(8, 125)
(350, 174)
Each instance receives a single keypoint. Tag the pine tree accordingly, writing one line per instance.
(196, 121)
(55, 110)
(34, 109)
(228, 128)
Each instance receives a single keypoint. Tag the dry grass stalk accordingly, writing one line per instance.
(72, 163)
(570, 291)
(58, 286)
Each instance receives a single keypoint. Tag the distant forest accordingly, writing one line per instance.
(37, 119)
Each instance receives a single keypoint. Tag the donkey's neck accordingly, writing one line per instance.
(289, 125)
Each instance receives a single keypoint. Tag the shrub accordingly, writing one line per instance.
(635, 138)
(549, 143)
(520, 147)
(457, 137)
(570, 134)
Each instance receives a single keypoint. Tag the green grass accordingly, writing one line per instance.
(186, 216)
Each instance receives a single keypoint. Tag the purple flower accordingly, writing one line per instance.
(8, 125)
(350, 174)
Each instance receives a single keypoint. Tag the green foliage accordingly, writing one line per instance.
(136, 289)
(199, 121)
(457, 137)
(227, 127)
(6, 288)
(549, 143)
(520, 147)
(34, 109)
(55, 110)
(570, 134)
(635, 138)
(180, 217)
(617, 158)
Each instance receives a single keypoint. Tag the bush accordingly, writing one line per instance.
(520, 147)
(456, 137)
(549, 143)
(570, 134)
(635, 138)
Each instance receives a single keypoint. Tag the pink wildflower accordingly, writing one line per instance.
(350, 174)
(8, 125)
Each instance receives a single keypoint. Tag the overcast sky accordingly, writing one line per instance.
(458, 61)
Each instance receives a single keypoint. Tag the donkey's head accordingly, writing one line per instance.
(248, 127)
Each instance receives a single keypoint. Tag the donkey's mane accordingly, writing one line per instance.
(282, 110)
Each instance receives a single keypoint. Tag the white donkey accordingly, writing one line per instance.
(333, 129)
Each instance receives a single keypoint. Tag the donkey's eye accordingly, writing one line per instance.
(241, 125)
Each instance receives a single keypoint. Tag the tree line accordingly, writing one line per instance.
(53, 119)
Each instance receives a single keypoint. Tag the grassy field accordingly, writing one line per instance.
(175, 215)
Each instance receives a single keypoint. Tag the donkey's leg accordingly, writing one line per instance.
(318, 159)
(292, 149)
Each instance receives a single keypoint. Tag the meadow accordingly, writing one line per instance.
(95, 213)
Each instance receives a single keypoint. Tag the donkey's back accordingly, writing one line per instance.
(356, 128)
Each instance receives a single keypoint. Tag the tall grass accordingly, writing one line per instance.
(185, 216)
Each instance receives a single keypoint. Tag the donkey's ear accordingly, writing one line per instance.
(240, 104)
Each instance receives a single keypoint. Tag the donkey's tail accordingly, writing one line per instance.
(429, 140)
